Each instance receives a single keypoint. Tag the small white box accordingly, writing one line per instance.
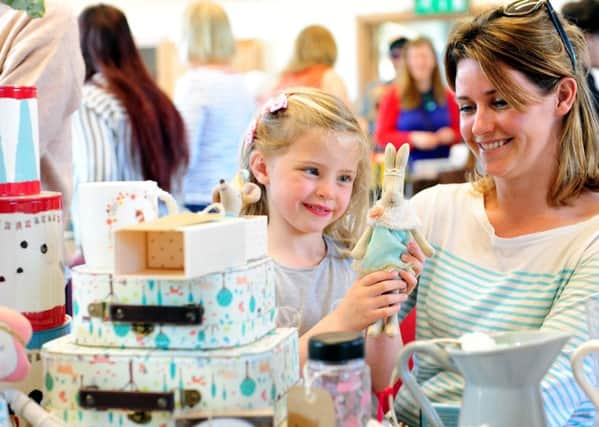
(187, 245)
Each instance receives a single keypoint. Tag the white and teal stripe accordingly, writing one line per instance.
(477, 281)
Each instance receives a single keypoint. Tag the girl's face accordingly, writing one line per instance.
(309, 186)
(420, 60)
(509, 144)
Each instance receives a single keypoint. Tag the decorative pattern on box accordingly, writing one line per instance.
(31, 268)
(19, 141)
(109, 418)
(90, 387)
(237, 307)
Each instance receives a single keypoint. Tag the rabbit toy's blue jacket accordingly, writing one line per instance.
(385, 249)
(390, 236)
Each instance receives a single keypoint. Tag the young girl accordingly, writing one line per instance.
(309, 156)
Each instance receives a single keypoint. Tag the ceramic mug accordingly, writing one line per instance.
(107, 206)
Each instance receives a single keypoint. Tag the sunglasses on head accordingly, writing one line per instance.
(526, 7)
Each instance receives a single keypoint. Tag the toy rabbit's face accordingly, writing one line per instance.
(8, 355)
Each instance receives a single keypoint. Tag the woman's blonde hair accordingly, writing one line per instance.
(409, 93)
(308, 110)
(207, 35)
(315, 45)
(531, 45)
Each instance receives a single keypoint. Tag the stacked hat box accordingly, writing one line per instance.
(225, 309)
(31, 268)
(31, 230)
(184, 323)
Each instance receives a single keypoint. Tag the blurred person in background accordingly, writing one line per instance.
(312, 62)
(375, 90)
(216, 104)
(585, 15)
(126, 128)
(43, 51)
(419, 110)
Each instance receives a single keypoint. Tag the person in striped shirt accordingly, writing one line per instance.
(518, 247)
(126, 129)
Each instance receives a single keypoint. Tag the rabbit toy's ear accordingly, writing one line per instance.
(402, 157)
(389, 157)
(401, 162)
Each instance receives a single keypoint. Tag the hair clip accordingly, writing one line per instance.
(271, 106)
(250, 134)
(275, 104)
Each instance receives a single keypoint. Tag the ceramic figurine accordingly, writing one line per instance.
(235, 195)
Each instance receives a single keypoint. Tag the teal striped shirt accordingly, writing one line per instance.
(477, 281)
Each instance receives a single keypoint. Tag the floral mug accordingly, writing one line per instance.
(107, 206)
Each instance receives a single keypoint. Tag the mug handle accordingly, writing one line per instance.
(433, 349)
(577, 362)
(169, 201)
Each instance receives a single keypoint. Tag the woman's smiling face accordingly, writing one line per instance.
(509, 144)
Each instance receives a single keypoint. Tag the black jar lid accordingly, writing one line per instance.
(336, 347)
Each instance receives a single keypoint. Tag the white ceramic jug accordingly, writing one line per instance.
(577, 361)
(502, 385)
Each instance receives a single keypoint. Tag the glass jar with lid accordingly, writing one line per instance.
(336, 364)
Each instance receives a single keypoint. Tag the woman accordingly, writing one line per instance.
(519, 247)
(314, 56)
(215, 102)
(419, 110)
(126, 128)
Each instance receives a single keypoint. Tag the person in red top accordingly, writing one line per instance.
(314, 56)
(419, 110)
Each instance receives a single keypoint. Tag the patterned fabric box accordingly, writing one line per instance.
(128, 387)
(226, 309)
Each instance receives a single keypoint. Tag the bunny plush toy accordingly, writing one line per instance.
(391, 225)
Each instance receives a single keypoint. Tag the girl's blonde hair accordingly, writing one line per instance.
(207, 35)
(315, 45)
(307, 110)
(531, 45)
(408, 90)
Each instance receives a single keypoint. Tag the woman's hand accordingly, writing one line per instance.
(415, 257)
(446, 135)
(424, 140)
(370, 298)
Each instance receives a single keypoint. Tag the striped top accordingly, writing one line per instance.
(101, 141)
(217, 108)
(102, 138)
(477, 281)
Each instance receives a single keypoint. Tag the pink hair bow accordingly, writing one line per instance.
(275, 104)
(271, 106)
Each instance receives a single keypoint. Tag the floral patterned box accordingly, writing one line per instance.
(226, 309)
(93, 387)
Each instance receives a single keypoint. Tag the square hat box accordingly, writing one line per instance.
(226, 309)
(187, 245)
(92, 387)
